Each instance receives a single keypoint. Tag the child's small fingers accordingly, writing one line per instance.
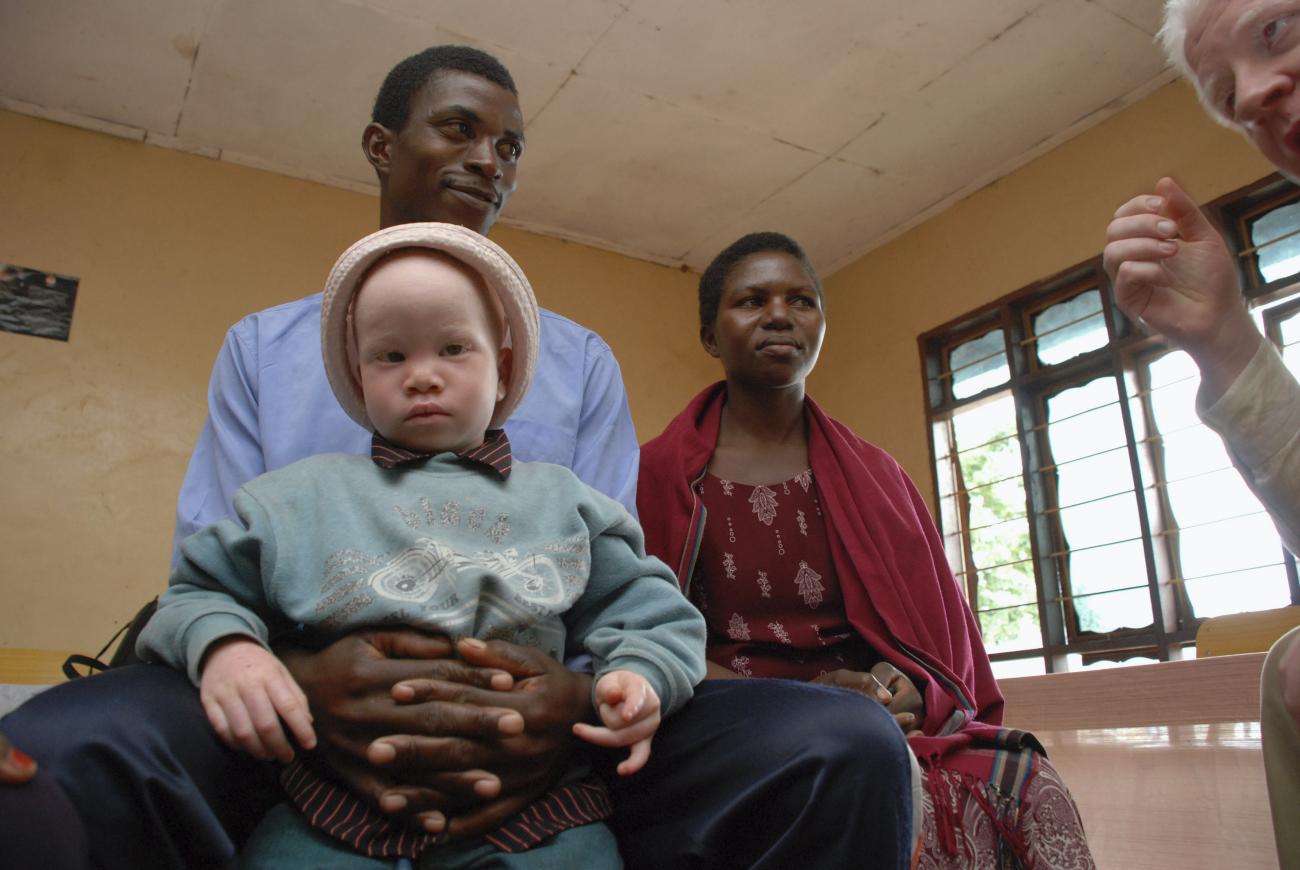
(221, 725)
(293, 710)
(636, 759)
(597, 735)
(266, 724)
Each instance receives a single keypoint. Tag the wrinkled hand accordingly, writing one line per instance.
(525, 757)
(629, 707)
(888, 685)
(1172, 271)
(247, 692)
(350, 685)
(16, 766)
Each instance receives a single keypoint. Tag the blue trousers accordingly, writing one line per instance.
(750, 773)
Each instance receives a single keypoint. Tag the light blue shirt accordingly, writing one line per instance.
(270, 404)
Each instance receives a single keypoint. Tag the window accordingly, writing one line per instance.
(1089, 515)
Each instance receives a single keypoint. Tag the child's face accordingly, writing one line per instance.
(431, 368)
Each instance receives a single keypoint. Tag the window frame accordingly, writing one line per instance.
(1125, 357)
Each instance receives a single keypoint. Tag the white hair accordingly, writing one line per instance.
(1173, 39)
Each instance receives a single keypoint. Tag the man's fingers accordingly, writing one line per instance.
(479, 822)
(1145, 203)
(1181, 208)
(408, 643)
(454, 682)
(513, 659)
(1142, 226)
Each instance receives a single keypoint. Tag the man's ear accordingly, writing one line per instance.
(505, 367)
(376, 142)
(709, 341)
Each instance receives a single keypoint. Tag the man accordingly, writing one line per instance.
(749, 774)
(1172, 271)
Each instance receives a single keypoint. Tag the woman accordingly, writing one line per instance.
(813, 557)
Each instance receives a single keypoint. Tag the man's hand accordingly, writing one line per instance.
(1172, 271)
(888, 685)
(247, 692)
(350, 687)
(629, 707)
(524, 762)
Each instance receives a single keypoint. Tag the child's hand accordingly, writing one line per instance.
(246, 692)
(629, 708)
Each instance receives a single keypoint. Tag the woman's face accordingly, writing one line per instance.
(770, 323)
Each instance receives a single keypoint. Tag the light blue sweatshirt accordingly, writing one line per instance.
(334, 543)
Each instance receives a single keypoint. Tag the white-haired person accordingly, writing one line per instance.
(429, 334)
(1172, 271)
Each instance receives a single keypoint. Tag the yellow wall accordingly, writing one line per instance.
(171, 249)
(1043, 218)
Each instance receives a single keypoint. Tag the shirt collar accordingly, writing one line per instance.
(493, 453)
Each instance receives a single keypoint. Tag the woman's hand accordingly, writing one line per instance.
(16, 766)
(888, 685)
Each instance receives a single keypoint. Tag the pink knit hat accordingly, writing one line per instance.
(501, 274)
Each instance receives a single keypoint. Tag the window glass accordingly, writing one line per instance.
(1098, 508)
(1278, 257)
(1019, 668)
(978, 365)
(991, 468)
(1227, 548)
(1070, 328)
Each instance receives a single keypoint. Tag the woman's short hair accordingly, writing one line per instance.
(754, 243)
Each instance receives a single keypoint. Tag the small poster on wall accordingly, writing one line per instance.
(37, 303)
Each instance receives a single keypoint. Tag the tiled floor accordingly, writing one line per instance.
(1185, 796)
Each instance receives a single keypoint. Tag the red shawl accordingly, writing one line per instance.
(886, 550)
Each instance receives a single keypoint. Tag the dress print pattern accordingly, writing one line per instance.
(764, 502)
(766, 583)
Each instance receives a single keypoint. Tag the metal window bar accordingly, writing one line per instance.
(1033, 339)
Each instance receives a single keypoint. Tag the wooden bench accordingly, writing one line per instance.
(1163, 759)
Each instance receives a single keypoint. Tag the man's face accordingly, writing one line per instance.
(456, 158)
(431, 367)
(1245, 55)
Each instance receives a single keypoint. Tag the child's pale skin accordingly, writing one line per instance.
(436, 344)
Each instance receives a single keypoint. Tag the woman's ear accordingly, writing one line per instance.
(505, 367)
(708, 340)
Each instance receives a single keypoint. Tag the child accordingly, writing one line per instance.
(429, 335)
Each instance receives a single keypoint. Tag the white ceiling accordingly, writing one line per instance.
(662, 129)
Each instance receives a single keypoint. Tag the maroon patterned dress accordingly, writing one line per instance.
(766, 584)
(767, 587)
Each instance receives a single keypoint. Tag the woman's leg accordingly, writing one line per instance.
(768, 774)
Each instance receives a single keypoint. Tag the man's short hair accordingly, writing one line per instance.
(755, 243)
(1173, 39)
(393, 103)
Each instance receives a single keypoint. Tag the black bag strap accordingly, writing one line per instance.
(123, 655)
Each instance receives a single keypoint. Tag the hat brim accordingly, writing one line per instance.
(499, 271)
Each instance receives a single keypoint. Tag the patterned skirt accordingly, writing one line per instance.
(969, 822)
